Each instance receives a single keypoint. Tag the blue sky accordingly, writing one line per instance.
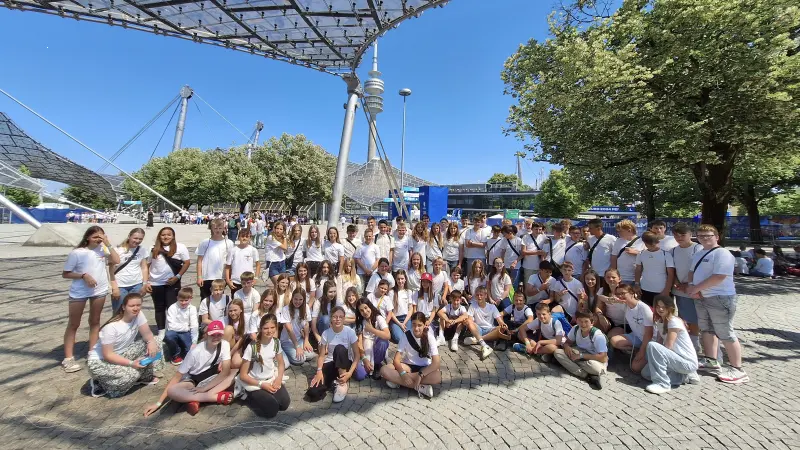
(102, 84)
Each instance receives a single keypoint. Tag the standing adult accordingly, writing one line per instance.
(87, 267)
(150, 216)
(211, 256)
(131, 272)
(714, 293)
(474, 244)
(167, 262)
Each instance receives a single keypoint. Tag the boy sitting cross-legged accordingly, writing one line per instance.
(548, 334)
(590, 359)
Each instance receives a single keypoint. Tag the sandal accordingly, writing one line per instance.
(225, 398)
(193, 408)
(153, 381)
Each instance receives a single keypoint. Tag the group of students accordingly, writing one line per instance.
(569, 297)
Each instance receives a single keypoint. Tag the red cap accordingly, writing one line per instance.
(215, 327)
(426, 277)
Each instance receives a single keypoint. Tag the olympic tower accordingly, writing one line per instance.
(374, 101)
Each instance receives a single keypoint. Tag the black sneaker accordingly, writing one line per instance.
(594, 382)
(95, 390)
(501, 346)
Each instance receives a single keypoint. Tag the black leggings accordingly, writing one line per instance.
(266, 404)
(330, 370)
(205, 289)
(163, 297)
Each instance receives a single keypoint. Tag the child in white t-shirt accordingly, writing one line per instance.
(483, 315)
(261, 374)
(639, 320)
(243, 258)
(671, 357)
(452, 319)
(590, 359)
(247, 294)
(373, 337)
(416, 363)
(655, 270)
(518, 314)
(182, 326)
(214, 307)
(567, 292)
(547, 333)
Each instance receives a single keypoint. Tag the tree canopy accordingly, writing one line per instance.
(83, 197)
(23, 197)
(661, 88)
(558, 197)
(508, 178)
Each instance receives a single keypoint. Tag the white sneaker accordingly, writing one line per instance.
(285, 378)
(657, 389)
(733, 375)
(162, 333)
(340, 393)
(392, 385)
(486, 351)
(440, 340)
(454, 345)
(426, 390)
(469, 340)
(692, 378)
(70, 365)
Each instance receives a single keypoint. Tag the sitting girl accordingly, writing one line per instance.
(267, 305)
(295, 318)
(416, 363)
(671, 358)
(338, 360)
(613, 310)
(235, 332)
(350, 307)
(115, 363)
(204, 376)
(262, 371)
(373, 337)
(402, 303)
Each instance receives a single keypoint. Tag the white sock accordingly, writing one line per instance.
(483, 343)
(455, 336)
(162, 333)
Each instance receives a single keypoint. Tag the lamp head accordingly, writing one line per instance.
(405, 92)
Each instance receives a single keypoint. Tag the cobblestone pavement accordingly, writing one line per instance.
(506, 401)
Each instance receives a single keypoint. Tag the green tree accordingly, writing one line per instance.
(786, 204)
(84, 197)
(676, 85)
(558, 198)
(297, 171)
(22, 197)
(187, 176)
(500, 178)
(243, 182)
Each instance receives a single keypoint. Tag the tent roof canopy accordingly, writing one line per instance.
(328, 35)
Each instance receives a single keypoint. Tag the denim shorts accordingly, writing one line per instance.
(633, 338)
(485, 330)
(686, 309)
(83, 299)
(276, 268)
(715, 315)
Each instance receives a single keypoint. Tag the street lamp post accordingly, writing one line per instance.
(404, 93)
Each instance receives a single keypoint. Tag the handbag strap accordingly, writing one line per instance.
(122, 266)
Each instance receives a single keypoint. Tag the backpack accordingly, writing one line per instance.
(559, 316)
(208, 306)
(231, 223)
(256, 349)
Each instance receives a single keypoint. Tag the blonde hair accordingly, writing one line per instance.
(218, 284)
(626, 225)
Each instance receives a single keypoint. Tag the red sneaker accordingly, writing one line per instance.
(176, 361)
(193, 408)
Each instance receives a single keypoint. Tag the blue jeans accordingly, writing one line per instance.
(755, 273)
(505, 303)
(290, 354)
(395, 330)
(276, 268)
(514, 274)
(178, 342)
(665, 367)
(323, 323)
(123, 291)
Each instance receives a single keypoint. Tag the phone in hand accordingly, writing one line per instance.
(150, 360)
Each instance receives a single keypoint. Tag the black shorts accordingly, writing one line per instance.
(415, 368)
(648, 297)
(450, 331)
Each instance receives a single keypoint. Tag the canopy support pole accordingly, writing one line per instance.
(353, 93)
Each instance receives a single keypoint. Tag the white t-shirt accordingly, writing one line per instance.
(131, 274)
(654, 269)
(216, 309)
(181, 319)
(250, 301)
(95, 263)
(765, 266)
(273, 251)
(313, 251)
(424, 304)
(741, 265)
(626, 264)
(682, 258)
(683, 343)
(265, 370)
(403, 301)
(376, 278)
(601, 257)
(331, 339)
(668, 243)
(576, 254)
(569, 301)
(199, 359)
(380, 325)
(476, 237)
(215, 254)
(297, 324)
(384, 304)
(549, 330)
(536, 281)
(457, 286)
(452, 313)
(385, 243)
(499, 284)
(638, 318)
(494, 248)
(411, 357)
(400, 253)
(718, 262)
(517, 315)
(440, 280)
(332, 251)
(369, 255)
(589, 344)
(484, 317)
(614, 311)
(511, 251)
(414, 279)
(298, 254)
(120, 334)
(555, 250)
(242, 260)
(421, 247)
(350, 246)
(475, 283)
(531, 243)
(451, 248)
(160, 271)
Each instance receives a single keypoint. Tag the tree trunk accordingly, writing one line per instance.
(649, 198)
(715, 182)
(242, 205)
(751, 203)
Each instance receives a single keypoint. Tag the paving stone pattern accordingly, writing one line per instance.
(506, 401)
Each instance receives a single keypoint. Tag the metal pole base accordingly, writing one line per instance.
(29, 219)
